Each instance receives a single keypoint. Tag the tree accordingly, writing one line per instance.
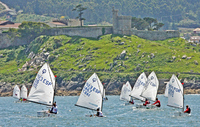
(79, 9)
(158, 26)
(150, 21)
(139, 23)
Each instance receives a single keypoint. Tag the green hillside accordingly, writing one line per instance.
(70, 56)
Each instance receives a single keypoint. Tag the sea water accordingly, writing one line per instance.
(117, 114)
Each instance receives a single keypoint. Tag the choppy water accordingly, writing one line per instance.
(24, 114)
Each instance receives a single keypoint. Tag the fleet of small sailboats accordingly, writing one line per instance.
(93, 92)
(21, 95)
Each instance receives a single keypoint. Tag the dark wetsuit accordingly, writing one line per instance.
(146, 102)
(188, 110)
(157, 103)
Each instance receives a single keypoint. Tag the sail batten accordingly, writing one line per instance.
(42, 90)
(175, 93)
(91, 96)
(125, 92)
(138, 87)
(151, 87)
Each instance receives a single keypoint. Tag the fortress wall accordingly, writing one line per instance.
(93, 32)
(8, 39)
(155, 35)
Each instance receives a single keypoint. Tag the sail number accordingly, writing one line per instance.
(43, 80)
(139, 82)
(88, 88)
(171, 90)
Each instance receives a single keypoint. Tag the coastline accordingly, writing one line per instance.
(114, 92)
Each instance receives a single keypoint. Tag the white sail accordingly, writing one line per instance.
(23, 93)
(139, 86)
(92, 93)
(125, 92)
(16, 92)
(166, 90)
(175, 93)
(42, 90)
(151, 87)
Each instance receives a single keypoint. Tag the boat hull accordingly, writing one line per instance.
(146, 107)
(44, 113)
(176, 114)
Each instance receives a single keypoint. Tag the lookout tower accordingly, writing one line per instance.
(121, 24)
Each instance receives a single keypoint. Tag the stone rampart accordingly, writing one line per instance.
(8, 39)
(155, 35)
(93, 32)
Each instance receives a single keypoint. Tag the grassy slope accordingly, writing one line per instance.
(69, 53)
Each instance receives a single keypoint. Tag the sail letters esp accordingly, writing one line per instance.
(38, 79)
(88, 88)
(139, 82)
(171, 90)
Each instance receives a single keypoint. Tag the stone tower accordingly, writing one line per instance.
(121, 24)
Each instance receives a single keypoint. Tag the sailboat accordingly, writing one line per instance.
(166, 90)
(23, 93)
(176, 95)
(150, 89)
(91, 96)
(125, 92)
(42, 90)
(138, 88)
(16, 92)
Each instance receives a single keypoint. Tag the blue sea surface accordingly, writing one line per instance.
(117, 114)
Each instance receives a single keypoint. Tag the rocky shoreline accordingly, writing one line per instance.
(73, 88)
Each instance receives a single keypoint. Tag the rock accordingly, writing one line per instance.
(139, 46)
(1, 56)
(138, 50)
(80, 66)
(122, 43)
(152, 56)
(196, 62)
(173, 57)
(123, 54)
(31, 55)
(188, 58)
(184, 57)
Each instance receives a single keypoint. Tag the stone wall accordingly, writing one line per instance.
(155, 35)
(8, 39)
(93, 32)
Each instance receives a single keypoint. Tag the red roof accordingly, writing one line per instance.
(16, 25)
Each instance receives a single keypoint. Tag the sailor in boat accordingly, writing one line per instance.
(54, 108)
(131, 102)
(157, 103)
(99, 113)
(188, 110)
(146, 102)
